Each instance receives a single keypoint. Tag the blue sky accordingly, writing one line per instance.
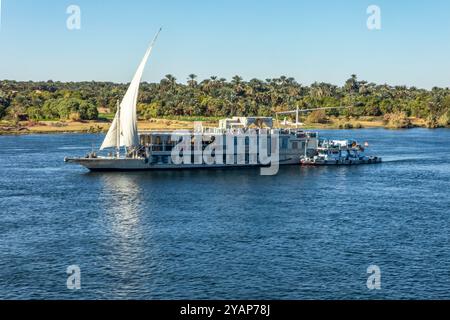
(320, 40)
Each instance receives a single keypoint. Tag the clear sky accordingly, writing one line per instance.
(313, 40)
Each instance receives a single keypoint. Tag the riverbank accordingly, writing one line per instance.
(49, 127)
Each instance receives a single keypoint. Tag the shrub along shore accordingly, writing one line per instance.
(49, 127)
(45, 107)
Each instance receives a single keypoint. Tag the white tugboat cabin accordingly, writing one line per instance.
(340, 152)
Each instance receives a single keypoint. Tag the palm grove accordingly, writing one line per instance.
(217, 97)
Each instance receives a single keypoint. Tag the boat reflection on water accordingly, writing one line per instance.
(122, 207)
(122, 199)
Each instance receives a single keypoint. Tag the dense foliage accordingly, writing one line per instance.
(216, 97)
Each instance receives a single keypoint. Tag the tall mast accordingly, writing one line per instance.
(118, 130)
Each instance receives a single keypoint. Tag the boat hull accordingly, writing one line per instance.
(311, 162)
(114, 164)
(105, 164)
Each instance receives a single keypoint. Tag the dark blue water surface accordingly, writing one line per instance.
(307, 233)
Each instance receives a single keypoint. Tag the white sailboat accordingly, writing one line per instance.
(123, 132)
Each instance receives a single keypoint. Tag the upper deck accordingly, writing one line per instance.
(238, 128)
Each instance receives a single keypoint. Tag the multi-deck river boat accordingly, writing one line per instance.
(236, 142)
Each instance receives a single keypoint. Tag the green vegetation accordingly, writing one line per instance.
(318, 116)
(397, 120)
(444, 120)
(216, 98)
(71, 108)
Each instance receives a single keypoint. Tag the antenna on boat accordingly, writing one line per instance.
(297, 112)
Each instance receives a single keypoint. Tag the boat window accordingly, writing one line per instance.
(284, 143)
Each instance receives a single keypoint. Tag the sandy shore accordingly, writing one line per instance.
(48, 127)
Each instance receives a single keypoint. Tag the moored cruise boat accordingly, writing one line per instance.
(237, 142)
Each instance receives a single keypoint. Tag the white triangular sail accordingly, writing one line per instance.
(111, 137)
(128, 118)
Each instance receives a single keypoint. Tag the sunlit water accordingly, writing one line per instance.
(305, 233)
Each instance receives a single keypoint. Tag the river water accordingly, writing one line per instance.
(307, 233)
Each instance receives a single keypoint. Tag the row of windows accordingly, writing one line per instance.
(166, 140)
(169, 148)
(232, 159)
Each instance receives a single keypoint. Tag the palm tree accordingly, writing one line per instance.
(221, 83)
(352, 85)
(206, 85)
(291, 81)
(171, 79)
(239, 87)
(236, 80)
(191, 80)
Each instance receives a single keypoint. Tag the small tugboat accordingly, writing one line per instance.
(339, 152)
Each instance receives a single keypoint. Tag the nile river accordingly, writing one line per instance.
(307, 233)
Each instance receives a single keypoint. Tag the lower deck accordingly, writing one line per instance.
(125, 164)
